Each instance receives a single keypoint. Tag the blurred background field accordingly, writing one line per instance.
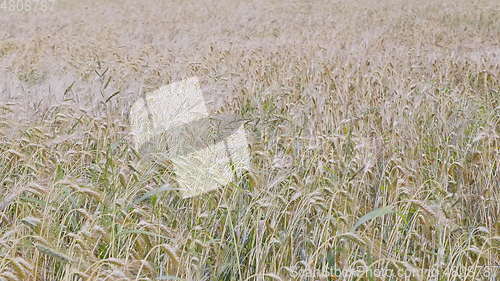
(352, 107)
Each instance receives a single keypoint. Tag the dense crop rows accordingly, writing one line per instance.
(351, 107)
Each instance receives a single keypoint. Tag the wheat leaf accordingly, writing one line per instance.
(373, 214)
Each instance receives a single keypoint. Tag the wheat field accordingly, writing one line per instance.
(373, 130)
